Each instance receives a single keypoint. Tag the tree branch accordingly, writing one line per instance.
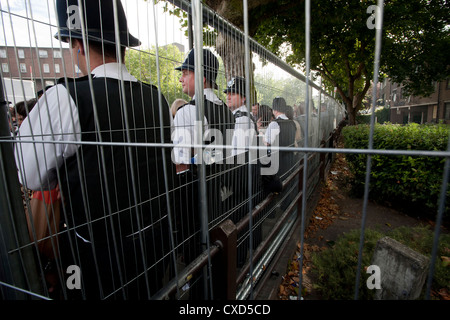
(329, 76)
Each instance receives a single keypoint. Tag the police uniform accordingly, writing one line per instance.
(245, 134)
(244, 130)
(114, 209)
(245, 126)
(185, 130)
(281, 132)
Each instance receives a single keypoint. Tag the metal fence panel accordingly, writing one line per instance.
(96, 204)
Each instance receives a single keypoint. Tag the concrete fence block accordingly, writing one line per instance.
(403, 270)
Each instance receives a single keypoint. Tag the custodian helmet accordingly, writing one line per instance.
(98, 19)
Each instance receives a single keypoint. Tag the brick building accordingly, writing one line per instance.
(43, 66)
(406, 109)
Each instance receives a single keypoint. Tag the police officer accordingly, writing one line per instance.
(217, 115)
(218, 121)
(245, 127)
(107, 191)
(281, 132)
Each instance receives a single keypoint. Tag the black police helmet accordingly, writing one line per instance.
(98, 19)
(279, 104)
(210, 65)
(236, 85)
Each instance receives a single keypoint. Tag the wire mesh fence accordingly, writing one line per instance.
(119, 182)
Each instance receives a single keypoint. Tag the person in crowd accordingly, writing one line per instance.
(281, 133)
(264, 117)
(19, 112)
(217, 115)
(298, 130)
(244, 136)
(107, 192)
(176, 105)
(244, 127)
(255, 109)
(218, 121)
(42, 213)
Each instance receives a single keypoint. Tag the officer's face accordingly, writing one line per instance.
(187, 80)
(255, 110)
(235, 100)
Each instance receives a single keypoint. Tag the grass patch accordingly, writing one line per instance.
(335, 268)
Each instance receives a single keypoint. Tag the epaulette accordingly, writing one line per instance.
(64, 79)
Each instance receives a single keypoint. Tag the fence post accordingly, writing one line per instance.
(17, 267)
(224, 269)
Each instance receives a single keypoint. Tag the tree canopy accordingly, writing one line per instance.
(414, 49)
(142, 65)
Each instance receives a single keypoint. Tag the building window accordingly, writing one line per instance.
(5, 67)
(23, 68)
(57, 70)
(448, 84)
(43, 54)
(447, 110)
(21, 53)
(46, 68)
(57, 54)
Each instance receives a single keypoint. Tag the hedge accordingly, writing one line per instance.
(382, 116)
(411, 182)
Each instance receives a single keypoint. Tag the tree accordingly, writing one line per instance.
(142, 65)
(414, 50)
(415, 42)
(418, 41)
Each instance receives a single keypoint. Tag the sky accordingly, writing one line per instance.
(31, 22)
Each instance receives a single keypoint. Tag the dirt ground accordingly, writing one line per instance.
(336, 213)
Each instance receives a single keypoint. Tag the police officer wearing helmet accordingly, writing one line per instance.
(218, 121)
(245, 126)
(97, 183)
(217, 115)
(245, 133)
(281, 132)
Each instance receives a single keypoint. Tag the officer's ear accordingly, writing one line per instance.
(78, 46)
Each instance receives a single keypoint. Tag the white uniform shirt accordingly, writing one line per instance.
(273, 130)
(244, 131)
(54, 118)
(185, 130)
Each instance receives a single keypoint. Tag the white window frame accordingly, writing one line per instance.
(5, 67)
(43, 54)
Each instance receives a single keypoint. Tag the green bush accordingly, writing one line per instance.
(412, 182)
(335, 268)
(382, 116)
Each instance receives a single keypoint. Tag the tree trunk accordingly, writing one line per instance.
(351, 114)
(232, 53)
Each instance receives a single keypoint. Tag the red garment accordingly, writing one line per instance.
(47, 196)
